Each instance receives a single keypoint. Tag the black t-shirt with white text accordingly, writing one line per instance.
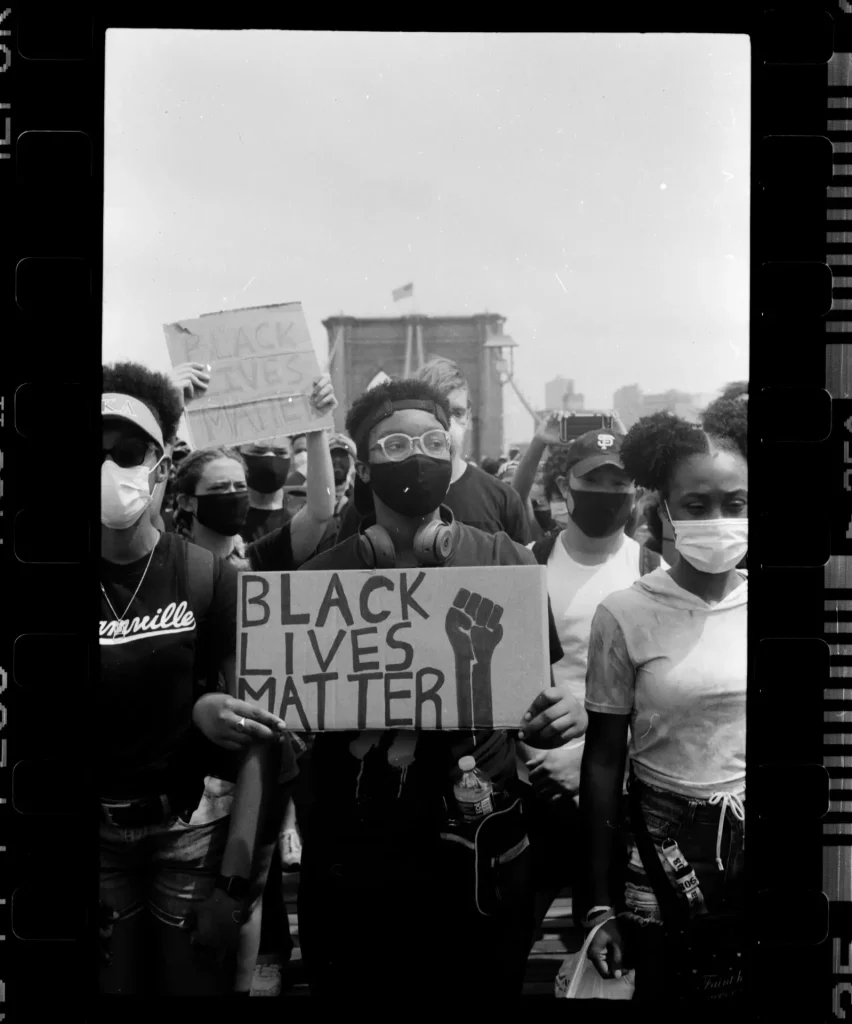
(337, 774)
(177, 631)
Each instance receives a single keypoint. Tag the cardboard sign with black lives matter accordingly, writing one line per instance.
(262, 368)
(394, 649)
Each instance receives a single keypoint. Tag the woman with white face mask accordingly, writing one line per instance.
(668, 660)
(168, 854)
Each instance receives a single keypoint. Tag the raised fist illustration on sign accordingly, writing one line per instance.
(474, 631)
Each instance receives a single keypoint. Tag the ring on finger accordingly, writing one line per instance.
(241, 724)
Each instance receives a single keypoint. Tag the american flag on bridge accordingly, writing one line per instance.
(406, 292)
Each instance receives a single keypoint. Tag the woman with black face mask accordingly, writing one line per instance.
(213, 502)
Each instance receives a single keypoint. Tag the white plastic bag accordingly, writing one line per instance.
(578, 977)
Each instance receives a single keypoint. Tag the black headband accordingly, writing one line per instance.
(389, 407)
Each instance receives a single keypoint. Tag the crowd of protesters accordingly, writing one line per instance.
(634, 747)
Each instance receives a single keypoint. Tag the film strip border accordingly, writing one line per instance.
(837, 584)
(51, 83)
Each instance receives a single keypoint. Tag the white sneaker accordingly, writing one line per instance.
(290, 846)
(266, 980)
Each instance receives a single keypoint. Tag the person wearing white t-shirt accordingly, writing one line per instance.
(590, 558)
(668, 662)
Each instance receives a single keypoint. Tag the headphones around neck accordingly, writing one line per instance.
(433, 544)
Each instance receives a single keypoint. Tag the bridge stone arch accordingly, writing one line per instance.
(361, 348)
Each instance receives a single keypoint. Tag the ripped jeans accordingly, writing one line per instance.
(715, 853)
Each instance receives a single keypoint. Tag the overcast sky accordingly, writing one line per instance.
(593, 190)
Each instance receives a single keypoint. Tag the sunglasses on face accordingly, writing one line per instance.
(128, 451)
(398, 447)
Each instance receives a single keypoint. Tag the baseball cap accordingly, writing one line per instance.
(594, 449)
(338, 441)
(116, 406)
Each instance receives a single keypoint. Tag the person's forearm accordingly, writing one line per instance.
(251, 798)
(320, 483)
(536, 532)
(205, 710)
(524, 477)
(600, 799)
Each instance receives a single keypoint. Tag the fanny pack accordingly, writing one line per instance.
(706, 949)
(483, 859)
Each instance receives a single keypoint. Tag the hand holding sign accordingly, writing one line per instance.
(322, 397)
(191, 379)
(554, 718)
(234, 724)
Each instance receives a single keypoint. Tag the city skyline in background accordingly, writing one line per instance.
(593, 190)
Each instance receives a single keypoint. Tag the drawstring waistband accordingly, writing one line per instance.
(725, 801)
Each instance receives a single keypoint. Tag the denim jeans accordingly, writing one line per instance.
(695, 827)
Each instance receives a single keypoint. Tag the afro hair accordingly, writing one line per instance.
(155, 390)
(728, 418)
(656, 444)
(394, 391)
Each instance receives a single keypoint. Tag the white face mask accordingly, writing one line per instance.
(300, 463)
(711, 545)
(124, 494)
(559, 511)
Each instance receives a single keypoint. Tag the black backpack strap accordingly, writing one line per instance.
(200, 579)
(672, 911)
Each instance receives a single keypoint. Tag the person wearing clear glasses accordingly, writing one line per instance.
(475, 497)
(406, 918)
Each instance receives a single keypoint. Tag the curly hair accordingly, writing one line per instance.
(368, 403)
(728, 417)
(656, 444)
(154, 389)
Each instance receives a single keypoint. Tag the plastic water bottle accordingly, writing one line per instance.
(474, 792)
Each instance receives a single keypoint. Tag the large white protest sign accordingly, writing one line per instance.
(394, 649)
(262, 367)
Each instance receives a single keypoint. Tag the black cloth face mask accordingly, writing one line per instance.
(412, 488)
(267, 473)
(600, 513)
(225, 514)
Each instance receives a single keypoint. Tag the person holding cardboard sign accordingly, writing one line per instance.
(377, 833)
(213, 499)
(167, 632)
